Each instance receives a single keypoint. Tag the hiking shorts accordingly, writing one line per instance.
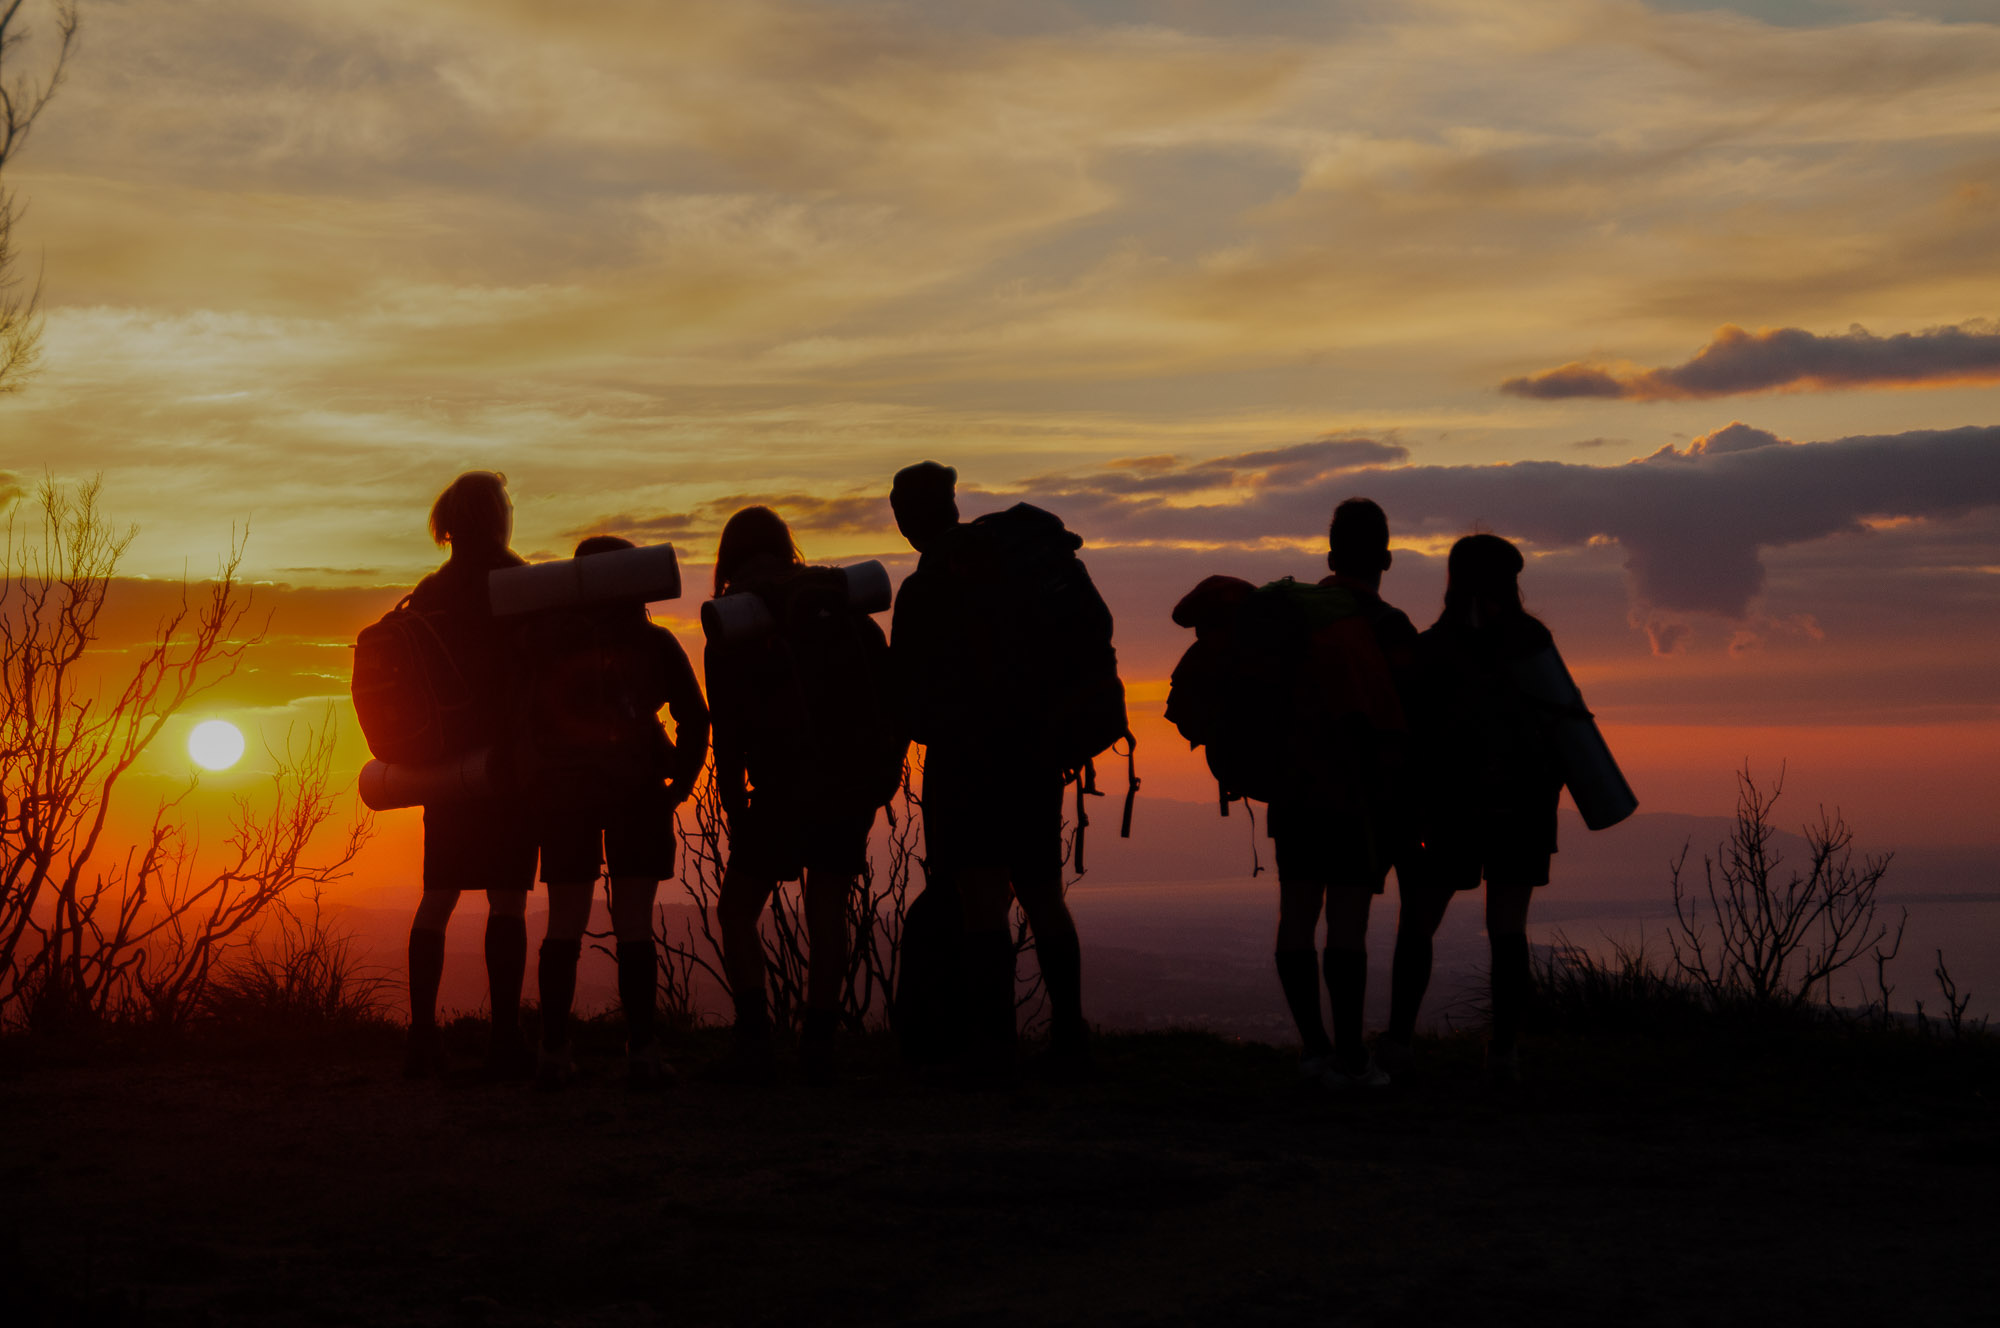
(1342, 849)
(783, 840)
(979, 813)
(1502, 846)
(484, 845)
(631, 836)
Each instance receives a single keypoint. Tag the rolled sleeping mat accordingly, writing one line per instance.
(868, 587)
(648, 575)
(1595, 782)
(743, 614)
(385, 787)
(738, 616)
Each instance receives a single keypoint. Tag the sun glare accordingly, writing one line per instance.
(215, 744)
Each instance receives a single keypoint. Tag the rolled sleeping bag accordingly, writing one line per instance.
(385, 787)
(738, 616)
(647, 574)
(742, 614)
(868, 587)
(1596, 784)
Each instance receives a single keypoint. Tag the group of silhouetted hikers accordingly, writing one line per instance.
(520, 706)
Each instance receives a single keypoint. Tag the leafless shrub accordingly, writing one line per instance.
(23, 97)
(87, 933)
(1759, 933)
(298, 973)
(875, 913)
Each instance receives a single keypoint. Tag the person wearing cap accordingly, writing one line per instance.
(993, 814)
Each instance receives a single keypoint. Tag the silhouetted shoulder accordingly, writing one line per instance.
(460, 585)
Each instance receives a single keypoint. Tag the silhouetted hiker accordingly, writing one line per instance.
(808, 744)
(1297, 692)
(1005, 667)
(606, 782)
(485, 843)
(1490, 775)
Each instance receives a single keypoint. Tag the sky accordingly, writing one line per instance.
(1696, 302)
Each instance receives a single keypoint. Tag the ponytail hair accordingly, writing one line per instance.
(753, 533)
(1483, 569)
(473, 509)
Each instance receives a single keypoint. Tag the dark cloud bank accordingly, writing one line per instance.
(1777, 359)
(1691, 522)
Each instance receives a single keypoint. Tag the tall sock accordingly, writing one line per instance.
(1409, 979)
(506, 967)
(1061, 959)
(1513, 985)
(1298, 974)
(638, 990)
(1347, 987)
(555, 971)
(426, 973)
(753, 1018)
(989, 972)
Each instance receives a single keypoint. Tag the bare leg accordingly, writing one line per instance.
(506, 968)
(1347, 908)
(1059, 953)
(989, 966)
(1513, 980)
(1298, 972)
(426, 973)
(741, 904)
(1420, 915)
(826, 933)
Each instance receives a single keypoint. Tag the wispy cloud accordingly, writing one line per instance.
(1786, 359)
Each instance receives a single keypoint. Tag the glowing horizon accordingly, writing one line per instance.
(1696, 303)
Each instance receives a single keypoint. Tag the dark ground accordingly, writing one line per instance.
(1837, 1179)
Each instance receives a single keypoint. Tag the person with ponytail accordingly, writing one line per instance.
(807, 746)
(487, 843)
(1489, 780)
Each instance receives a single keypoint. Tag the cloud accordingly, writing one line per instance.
(12, 489)
(1786, 359)
(844, 514)
(1692, 523)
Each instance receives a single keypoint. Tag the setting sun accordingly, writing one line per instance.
(215, 744)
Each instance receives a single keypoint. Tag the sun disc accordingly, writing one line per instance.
(215, 744)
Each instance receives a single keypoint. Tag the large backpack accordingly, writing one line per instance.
(1042, 632)
(415, 703)
(1285, 686)
(825, 722)
(592, 730)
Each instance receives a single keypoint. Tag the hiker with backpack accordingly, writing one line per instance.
(808, 745)
(483, 843)
(1008, 677)
(606, 779)
(1299, 693)
(1490, 774)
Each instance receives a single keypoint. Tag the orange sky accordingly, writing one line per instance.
(1185, 274)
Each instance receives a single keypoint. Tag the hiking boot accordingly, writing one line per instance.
(423, 1052)
(1393, 1054)
(1313, 1067)
(1369, 1076)
(749, 1062)
(646, 1068)
(1503, 1066)
(509, 1059)
(554, 1069)
(816, 1046)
